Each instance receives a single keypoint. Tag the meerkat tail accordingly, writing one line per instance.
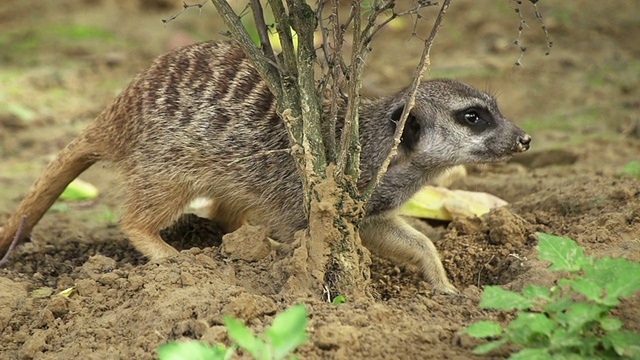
(66, 166)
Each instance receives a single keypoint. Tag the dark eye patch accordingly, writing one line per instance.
(477, 119)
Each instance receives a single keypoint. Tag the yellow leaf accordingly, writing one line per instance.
(79, 190)
(68, 292)
(440, 203)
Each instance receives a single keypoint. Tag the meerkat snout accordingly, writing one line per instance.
(524, 142)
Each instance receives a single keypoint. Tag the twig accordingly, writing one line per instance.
(239, 33)
(14, 242)
(185, 6)
(518, 41)
(413, 10)
(261, 26)
(542, 25)
(333, 69)
(348, 155)
(304, 23)
(423, 66)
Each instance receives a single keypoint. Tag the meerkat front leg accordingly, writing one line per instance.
(390, 237)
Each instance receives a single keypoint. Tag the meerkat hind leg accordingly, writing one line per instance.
(229, 217)
(146, 214)
(392, 238)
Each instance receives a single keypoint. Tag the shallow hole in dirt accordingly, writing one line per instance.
(193, 231)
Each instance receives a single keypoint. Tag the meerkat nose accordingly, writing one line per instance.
(524, 142)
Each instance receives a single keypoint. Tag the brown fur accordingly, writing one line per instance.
(201, 123)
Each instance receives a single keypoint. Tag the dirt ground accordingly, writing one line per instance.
(62, 62)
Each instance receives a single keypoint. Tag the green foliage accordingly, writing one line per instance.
(338, 300)
(632, 170)
(193, 350)
(287, 332)
(571, 320)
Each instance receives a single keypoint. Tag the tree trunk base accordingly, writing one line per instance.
(329, 259)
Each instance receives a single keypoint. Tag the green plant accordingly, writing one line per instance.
(338, 300)
(193, 350)
(631, 169)
(287, 332)
(570, 320)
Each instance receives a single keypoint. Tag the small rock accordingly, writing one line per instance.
(59, 306)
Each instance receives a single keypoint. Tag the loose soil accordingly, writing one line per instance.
(61, 63)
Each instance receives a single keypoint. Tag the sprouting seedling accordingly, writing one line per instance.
(338, 300)
(278, 341)
(287, 332)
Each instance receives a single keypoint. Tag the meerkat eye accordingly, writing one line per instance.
(476, 118)
(472, 117)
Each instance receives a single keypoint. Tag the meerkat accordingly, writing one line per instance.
(200, 122)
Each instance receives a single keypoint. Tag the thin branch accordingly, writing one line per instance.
(348, 161)
(185, 6)
(241, 36)
(542, 25)
(324, 47)
(305, 23)
(288, 55)
(413, 11)
(261, 26)
(349, 157)
(14, 242)
(423, 66)
(338, 41)
(518, 41)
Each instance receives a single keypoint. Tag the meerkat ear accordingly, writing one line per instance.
(411, 131)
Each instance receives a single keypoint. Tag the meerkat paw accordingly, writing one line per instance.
(391, 237)
(445, 288)
(150, 244)
(161, 252)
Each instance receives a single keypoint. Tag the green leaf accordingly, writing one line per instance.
(338, 300)
(540, 323)
(588, 288)
(558, 306)
(530, 329)
(624, 343)
(494, 297)
(245, 339)
(79, 190)
(562, 339)
(563, 253)
(531, 354)
(288, 331)
(536, 292)
(483, 329)
(610, 323)
(193, 350)
(579, 315)
(618, 276)
(488, 347)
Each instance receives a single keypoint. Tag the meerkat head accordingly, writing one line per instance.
(453, 124)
